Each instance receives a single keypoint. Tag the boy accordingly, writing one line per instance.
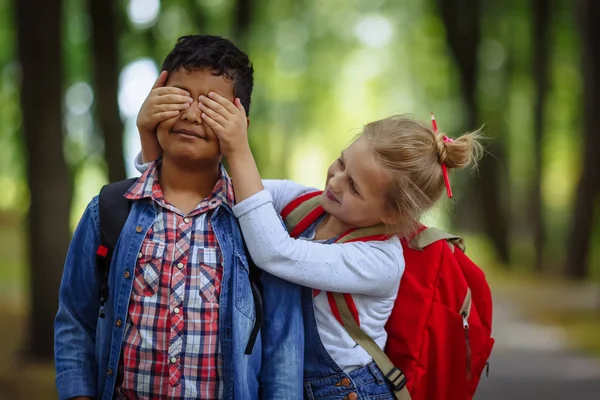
(180, 308)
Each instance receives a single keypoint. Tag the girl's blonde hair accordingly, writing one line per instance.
(414, 155)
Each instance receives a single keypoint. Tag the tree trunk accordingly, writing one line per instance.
(197, 17)
(540, 44)
(106, 69)
(243, 20)
(587, 191)
(39, 34)
(461, 20)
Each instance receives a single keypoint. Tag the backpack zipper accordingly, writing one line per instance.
(465, 310)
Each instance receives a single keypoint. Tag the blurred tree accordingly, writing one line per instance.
(463, 34)
(243, 22)
(39, 47)
(106, 67)
(589, 181)
(197, 17)
(541, 10)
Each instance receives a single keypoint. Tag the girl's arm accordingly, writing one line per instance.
(372, 268)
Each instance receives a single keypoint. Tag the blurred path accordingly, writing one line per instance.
(532, 361)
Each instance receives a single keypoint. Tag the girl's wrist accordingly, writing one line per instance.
(240, 152)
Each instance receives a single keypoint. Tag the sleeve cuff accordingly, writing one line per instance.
(252, 203)
(139, 165)
(75, 383)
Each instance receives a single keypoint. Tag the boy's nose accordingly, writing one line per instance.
(193, 114)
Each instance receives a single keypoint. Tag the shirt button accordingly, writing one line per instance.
(126, 275)
(213, 202)
(186, 220)
(176, 310)
(109, 372)
(180, 266)
(352, 396)
(173, 360)
(118, 323)
(138, 229)
(140, 255)
(346, 382)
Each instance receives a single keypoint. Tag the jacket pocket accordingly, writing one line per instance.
(148, 268)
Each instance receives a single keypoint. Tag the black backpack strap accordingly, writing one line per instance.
(113, 210)
(254, 273)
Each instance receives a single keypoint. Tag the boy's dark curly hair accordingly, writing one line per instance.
(221, 56)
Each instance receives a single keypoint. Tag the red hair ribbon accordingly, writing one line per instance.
(444, 168)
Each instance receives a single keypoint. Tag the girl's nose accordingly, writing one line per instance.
(334, 183)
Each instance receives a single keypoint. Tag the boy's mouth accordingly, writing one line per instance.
(187, 132)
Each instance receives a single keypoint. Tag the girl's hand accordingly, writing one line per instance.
(162, 103)
(228, 121)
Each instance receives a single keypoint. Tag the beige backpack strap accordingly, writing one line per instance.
(363, 233)
(432, 235)
(393, 374)
(303, 209)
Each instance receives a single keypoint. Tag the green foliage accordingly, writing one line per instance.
(323, 70)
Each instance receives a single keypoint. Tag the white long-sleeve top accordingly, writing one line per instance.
(370, 271)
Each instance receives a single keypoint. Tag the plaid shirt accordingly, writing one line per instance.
(171, 345)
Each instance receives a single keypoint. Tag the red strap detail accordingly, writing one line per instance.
(348, 296)
(306, 221)
(303, 225)
(351, 306)
(102, 251)
(295, 203)
(420, 229)
(367, 238)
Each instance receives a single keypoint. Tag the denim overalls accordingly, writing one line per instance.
(323, 378)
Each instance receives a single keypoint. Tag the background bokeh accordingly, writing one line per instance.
(73, 74)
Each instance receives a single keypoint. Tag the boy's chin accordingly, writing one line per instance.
(193, 158)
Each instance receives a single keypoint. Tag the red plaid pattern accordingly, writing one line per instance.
(171, 345)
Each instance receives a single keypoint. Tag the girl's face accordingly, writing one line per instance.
(356, 187)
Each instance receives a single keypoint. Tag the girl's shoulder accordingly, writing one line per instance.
(384, 258)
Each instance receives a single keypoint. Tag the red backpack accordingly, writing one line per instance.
(439, 332)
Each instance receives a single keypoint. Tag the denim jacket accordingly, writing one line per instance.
(87, 348)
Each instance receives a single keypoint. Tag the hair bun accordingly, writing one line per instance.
(459, 152)
(441, 150)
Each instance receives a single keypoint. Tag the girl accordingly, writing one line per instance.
(390, 174)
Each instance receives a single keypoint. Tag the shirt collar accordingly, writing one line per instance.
(148, 186)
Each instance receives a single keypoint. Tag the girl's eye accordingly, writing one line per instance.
(341, 162)
(353, 188)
